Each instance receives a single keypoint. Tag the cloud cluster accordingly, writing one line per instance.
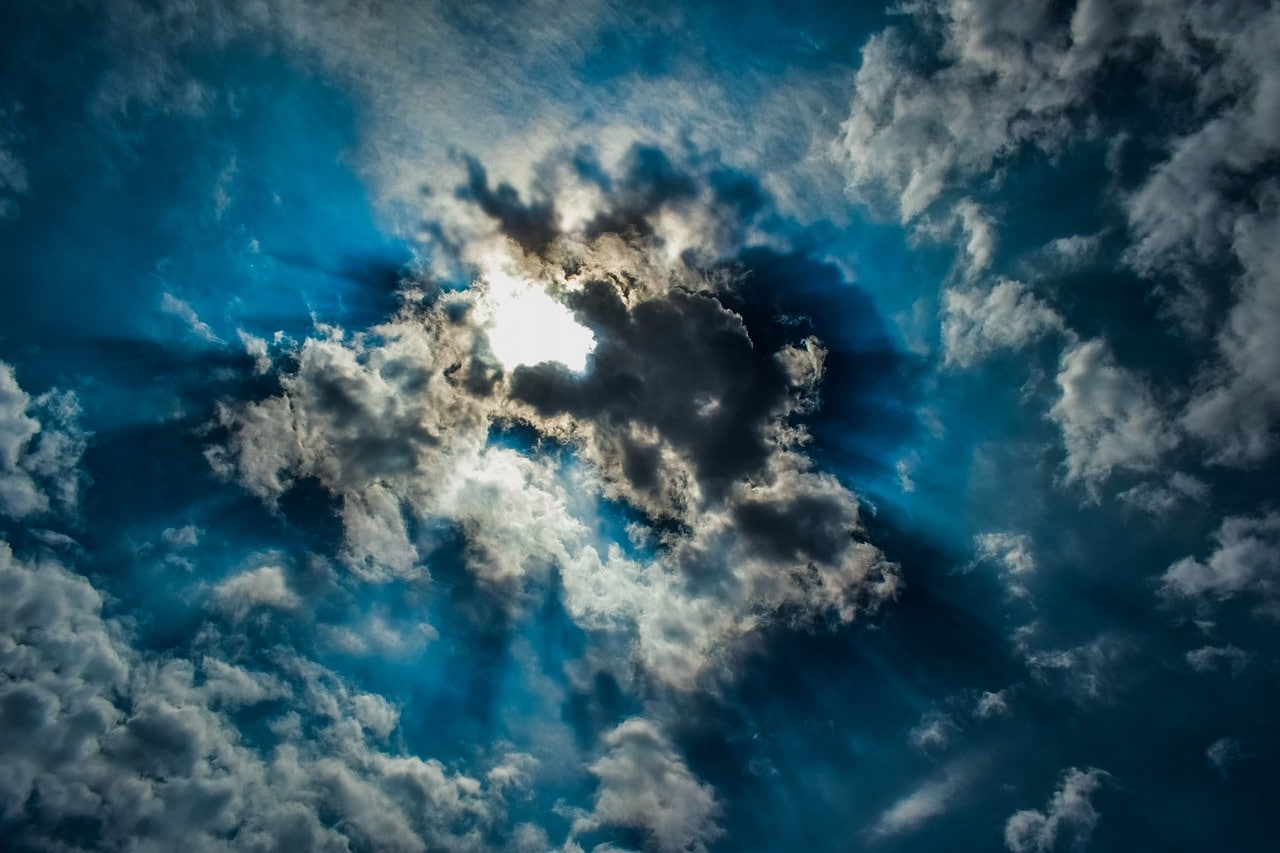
(679, 414)
(147, 752)
(930, 128)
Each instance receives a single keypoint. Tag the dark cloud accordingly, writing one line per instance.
(681, 365)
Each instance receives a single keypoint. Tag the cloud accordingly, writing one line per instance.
(933, 733)
(171, 304)
(147, 747)
(40, 449)
(1223, 752)
(992, 704)
(1109, 417)
(644, 785)
(977, 324)
(1212, 658)
(927, 128)
(1159, 499)
(1245, 561)
(1011, 550)
(931, 800)
(1237, 403)
(680, 414)
(1069, 813)
(14, 181)
(261, 587)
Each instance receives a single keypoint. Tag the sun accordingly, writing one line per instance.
(526, 325)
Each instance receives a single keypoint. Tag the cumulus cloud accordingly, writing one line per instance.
(645, 785)
(976, 324)
(265, 586)
(927, 127)
(40, 449)
(1246, 561)
(1070, 813)
(148, 749)
(1011, 551)
(1109, 417)
(678, 413)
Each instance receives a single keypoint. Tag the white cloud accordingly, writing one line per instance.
(1069, 813)
(1109, 417)
(933, 733)
(976, 324)
(644, 784)
(148, 748)
(1159, 499)
(171, 304)
(40, 449)
(1245, 561)
(1011, 550)
(265, 586)
(932, 799)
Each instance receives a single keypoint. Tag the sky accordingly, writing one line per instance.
(598, 427)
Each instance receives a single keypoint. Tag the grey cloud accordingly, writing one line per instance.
(1002, 81)
(644, 784)
(930, 800)
(1246, 561)
(1212, 658)
(1069, 813)
(264, 586)
(934, 732)
(976, 324)
(40, 449)
(1159, 499)
(144, 748)
(1109, 417)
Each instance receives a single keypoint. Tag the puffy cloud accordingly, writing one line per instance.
(1245, 561)
(1010, 550)
(644, 785)
(1237, 404)
(40, 449)
(1069, 813)
(265, 586)
(1007, 77)
(679, 413)
(148, 750)
(1109, 417)
(928, 126)
(976, 324)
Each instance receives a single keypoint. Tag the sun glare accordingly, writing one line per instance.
(525, 325)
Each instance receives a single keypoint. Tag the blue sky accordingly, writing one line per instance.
(599, 427)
